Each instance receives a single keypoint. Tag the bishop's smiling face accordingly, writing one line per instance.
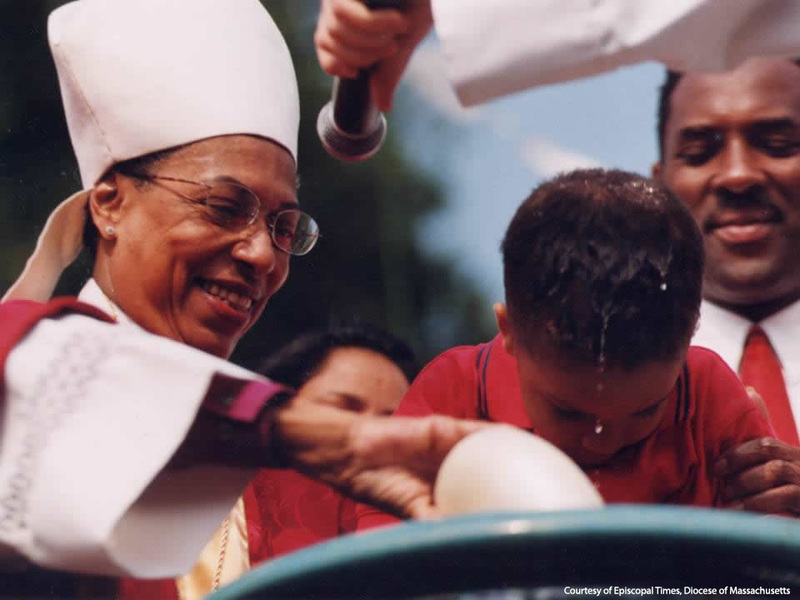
(175, 271)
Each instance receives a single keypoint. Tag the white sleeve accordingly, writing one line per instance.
(498, 47)
(92, 413)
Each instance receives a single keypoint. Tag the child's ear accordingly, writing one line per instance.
(655, 171)
(504, 326)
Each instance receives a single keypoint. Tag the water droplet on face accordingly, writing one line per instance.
(598, 428)
(664, 286)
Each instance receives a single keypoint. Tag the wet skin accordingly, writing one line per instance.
(567, 400)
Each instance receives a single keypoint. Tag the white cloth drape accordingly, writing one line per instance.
(93, 411)
(499, 47)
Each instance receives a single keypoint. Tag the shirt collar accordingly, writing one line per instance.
(722, 331)
(92, 294)
(725, 333)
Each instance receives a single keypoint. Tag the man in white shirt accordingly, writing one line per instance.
(730, 149)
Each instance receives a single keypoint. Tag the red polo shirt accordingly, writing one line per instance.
(708, 411)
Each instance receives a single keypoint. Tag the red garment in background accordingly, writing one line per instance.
(286, 511)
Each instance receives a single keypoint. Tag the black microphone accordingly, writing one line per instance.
(350, 127)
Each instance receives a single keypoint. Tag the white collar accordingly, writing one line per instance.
(92, 294)
(725, 333)
(722, 331)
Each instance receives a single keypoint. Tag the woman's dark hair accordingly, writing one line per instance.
(140, 169)
(605, 267)
(300, 359)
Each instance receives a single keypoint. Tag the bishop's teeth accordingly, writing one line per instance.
(235, 299)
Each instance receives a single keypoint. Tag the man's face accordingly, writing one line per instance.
(732, 154)
(179, 274)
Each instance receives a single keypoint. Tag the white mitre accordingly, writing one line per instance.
(139, 76)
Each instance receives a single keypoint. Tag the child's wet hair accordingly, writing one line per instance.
(605, 267)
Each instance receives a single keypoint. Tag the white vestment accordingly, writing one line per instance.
(92, 413)
(498, 47)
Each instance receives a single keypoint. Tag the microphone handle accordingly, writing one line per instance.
(373, 4)
(352, 95)
(350, 127)
(350, 98)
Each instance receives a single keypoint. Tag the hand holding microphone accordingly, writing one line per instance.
(349, 126)
(367, 49)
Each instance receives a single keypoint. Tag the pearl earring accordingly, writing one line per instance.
(110, 230)
(598, 427)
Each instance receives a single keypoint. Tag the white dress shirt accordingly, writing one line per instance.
(498, 47)
(725, 333)
(93, 412)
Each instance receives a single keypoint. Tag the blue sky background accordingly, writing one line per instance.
(490, 157)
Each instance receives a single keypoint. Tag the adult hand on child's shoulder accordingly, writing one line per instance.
(761, 475)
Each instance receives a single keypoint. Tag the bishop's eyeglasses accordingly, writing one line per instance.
(235, 207)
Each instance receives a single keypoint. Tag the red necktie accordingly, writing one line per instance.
(761, 370)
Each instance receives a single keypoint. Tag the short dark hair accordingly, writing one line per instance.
(139, 169)
(300, 359)
(605, 267)
(671, 80)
